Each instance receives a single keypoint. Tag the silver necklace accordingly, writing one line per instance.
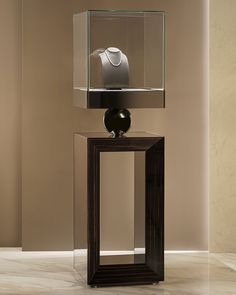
(111, 62)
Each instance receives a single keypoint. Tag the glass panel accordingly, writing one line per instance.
(154, 50)
(126, 50)
(122, 207)
(80, 53)
(80, 205)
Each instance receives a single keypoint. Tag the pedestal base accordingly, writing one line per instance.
(147, 264)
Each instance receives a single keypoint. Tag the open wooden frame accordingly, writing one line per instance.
(127, 274)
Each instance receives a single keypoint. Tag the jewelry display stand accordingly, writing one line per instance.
(119, 217)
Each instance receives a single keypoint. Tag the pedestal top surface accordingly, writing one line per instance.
(141, 134)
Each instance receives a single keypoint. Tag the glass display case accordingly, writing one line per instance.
(119, 59)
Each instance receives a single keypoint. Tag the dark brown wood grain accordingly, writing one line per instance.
(127, 274)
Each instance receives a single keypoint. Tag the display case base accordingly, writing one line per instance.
(101, 98)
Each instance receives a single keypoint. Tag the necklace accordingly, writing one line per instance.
(111, 62)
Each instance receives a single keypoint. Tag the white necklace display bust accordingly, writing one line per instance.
(115, 68)
(114, 55)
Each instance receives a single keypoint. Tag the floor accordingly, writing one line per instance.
(52, 273)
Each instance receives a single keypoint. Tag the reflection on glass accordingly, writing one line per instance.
(122, 207)
(80, 205)
(139, 37)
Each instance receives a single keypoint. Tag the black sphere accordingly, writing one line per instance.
(117, 121)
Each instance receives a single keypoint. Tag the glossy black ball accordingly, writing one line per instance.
(117, 121)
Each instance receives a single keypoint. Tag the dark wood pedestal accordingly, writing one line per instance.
(87, 150)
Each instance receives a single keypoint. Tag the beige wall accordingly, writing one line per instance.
(10, 123)
(184, 123)
(49, 120)
(47, 125)
(222, 126)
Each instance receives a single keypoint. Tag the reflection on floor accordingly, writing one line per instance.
(52, 273)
